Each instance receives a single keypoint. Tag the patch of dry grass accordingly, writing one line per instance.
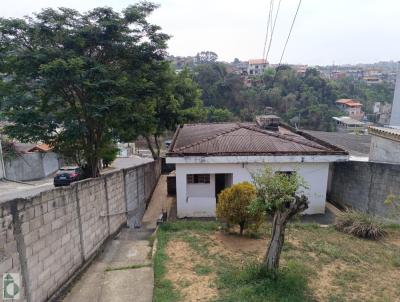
(210, 265)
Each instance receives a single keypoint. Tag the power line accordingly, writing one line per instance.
(273, 29)
(290, 31)
(268, 23)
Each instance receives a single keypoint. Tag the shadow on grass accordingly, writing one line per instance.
(252, 283)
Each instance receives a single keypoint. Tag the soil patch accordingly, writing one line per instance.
(181, 272)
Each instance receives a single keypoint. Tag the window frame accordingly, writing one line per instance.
(195, 179)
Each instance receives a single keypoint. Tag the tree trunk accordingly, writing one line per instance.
(241, 225)
(157, 145)
(271, 261)
(150, 145)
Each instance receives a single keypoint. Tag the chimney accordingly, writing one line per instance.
(395, 116)
(268, 122)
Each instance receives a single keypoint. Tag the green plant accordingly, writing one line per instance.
(360, 224)
(109, 154)
(279, 194)
(233, 206)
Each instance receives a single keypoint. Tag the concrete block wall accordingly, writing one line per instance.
(48, 237)
(364, 186)
(9, 257)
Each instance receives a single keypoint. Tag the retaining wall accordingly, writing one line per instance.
(365, 185)
(31, 166)
(48, 237)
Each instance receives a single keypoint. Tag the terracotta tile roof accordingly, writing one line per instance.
(41, 148)
(245, 139)
(349, 102)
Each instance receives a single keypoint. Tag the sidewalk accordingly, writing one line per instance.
(124, 272)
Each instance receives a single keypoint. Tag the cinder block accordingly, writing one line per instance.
(6, 265)
(44, 230)
(31, 237)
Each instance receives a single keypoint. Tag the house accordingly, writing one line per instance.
(385, 144)
(212, 157)
(382, 113)
(256, 67)
(351, 107)
(348, 124)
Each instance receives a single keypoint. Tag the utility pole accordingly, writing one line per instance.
(3, 168)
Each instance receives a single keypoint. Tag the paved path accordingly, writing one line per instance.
(123, 272)
(11, 190)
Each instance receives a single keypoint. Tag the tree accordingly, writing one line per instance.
(233, 204)
(278, 195)
(218, 115)
(175, 99)
(206, 57)
(74, 76)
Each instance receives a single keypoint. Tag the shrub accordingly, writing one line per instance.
(360, 224)
(233, 203)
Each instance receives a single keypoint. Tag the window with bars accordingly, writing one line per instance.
(198, 178)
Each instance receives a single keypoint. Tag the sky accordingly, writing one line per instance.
(325, 32)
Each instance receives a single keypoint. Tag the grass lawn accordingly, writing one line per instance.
(197, 262)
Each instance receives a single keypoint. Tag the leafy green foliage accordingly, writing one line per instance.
(276, 190)
(175, 100)
(306, 100)
(233, 203)
(360, 224)
(278, 194)
(218, 115)
(109, 154)
(78, 81)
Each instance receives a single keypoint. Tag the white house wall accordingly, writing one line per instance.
(198, 200)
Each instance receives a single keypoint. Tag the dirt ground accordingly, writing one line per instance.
(342, 267)
(181, 271)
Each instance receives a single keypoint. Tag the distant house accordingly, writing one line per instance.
(382, 112)
(385, 144)
(212, 157)
(256, 67)
(352, 108)
(348, 124)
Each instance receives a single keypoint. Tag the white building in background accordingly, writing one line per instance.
(385, 145)
(256, 67)
(212, 157)
(395, 116)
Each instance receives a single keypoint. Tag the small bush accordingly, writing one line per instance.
(233, 206)
(360, 224)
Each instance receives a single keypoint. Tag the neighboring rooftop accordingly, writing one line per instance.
(348, 121)
(230, 139)
(349, 102)
(257, 61)
(355, 144)
(389, 133)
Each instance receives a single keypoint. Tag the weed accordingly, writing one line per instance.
(360, 224)
(202, 270)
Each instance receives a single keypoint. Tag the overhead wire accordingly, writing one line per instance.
(273, 29)
(268, 25)
(286, 43)
(290, 32)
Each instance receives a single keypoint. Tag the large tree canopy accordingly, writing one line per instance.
(72, 77)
